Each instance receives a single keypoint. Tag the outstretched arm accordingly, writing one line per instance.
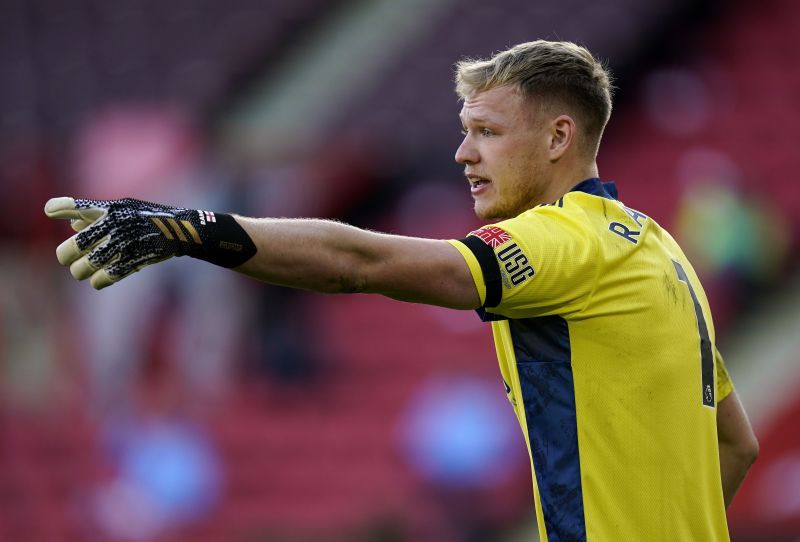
(738, 446)
(116, 238)
(332, 257)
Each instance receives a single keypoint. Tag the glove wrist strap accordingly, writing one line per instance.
(216, 238)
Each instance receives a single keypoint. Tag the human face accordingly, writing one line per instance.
(503, 152)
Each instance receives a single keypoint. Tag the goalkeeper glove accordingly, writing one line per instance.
(118, 237)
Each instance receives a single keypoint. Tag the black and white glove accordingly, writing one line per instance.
(118, 237)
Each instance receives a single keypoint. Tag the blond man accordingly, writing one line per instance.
(604, 336)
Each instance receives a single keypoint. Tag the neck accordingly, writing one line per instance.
(565, 180)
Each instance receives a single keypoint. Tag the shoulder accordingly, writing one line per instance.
(574, 214)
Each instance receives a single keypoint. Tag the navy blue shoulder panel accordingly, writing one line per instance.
(596, 187)
(543, 356)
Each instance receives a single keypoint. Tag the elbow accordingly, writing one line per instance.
(751, 450)
(342, 283)
(747, 451)
(356, 275)
(349, 284)
(342, 275)
(351, 278)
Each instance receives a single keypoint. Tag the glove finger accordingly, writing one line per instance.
(99, 257)
(82, 268)
(69, 208)
(61, 208)
(68, 251)
(91, 236)
(103, 254)
(78, 224)
(101, 279)
(82, 242)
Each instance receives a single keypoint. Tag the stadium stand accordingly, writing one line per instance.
(61, 62)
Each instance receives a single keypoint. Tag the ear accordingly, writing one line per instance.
(562, 136)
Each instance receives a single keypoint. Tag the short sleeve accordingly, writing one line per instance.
(541, 263)
(724, 382)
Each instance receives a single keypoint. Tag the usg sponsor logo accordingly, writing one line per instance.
(515, 263)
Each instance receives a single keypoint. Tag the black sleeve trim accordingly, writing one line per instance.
(490, 267)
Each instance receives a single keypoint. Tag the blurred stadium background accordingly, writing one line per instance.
(190, 404)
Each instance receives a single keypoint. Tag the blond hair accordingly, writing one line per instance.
(559, 74)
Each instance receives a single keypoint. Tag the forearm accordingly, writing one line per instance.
(331, 257)
(319, 255)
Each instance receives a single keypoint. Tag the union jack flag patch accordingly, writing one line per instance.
(492, 236)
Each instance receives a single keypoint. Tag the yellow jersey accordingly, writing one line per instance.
(606, 348)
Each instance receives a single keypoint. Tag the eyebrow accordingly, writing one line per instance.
(478, 120)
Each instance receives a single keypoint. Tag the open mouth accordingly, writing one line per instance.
(477, 182)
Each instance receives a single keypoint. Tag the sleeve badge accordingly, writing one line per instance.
(493, 236)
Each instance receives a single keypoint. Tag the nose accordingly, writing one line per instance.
(466, 153)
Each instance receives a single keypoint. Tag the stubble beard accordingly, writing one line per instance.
(522, 195)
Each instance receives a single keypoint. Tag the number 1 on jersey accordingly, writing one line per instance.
(706, 355)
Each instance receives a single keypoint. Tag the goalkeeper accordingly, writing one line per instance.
(604, 335)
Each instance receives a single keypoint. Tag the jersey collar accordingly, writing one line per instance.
(596, 187)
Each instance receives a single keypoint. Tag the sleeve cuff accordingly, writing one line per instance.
(485, 269)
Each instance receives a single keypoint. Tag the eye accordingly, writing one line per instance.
(487, 132)
(464, 132)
